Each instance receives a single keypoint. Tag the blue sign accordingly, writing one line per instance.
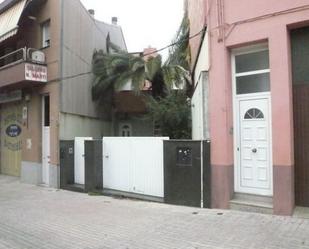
(13, 130)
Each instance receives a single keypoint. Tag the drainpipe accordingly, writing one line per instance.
(202, 173)
(220, 20)
(60, 68)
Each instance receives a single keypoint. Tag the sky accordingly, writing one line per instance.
(144, 22)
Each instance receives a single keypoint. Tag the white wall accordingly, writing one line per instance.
(200, 120)
(126, 87)
(199, 108)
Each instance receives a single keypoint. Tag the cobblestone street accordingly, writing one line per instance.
(38, 217)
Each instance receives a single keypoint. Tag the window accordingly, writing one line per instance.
(252, 83)
(46, 34)
(252, 62)
(254, 113)
(252, 72)
(125, 130)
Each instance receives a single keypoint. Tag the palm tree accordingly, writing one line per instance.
(113, 70)
(179, 52)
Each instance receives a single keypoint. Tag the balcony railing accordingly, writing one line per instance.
(22, 55)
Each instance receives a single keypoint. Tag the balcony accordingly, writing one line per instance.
(130, 103)
(23, 67)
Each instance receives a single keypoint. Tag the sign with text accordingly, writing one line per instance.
(35, 72)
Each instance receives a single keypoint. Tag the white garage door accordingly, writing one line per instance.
(134, 164)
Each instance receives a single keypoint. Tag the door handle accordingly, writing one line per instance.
(254, 150)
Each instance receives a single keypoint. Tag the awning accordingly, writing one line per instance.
(9, 20)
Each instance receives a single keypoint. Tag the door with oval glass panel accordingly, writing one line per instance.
(254, 169)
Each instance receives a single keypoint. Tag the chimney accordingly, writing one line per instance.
(114, 20)
(91, 12)
(149, 52)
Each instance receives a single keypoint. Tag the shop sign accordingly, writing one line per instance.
(35, 72)
(13, 130)
(10, 96)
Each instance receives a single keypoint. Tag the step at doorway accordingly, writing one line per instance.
(252, 203)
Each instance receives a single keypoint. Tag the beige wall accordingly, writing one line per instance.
(76, 92)
(52, 10)
(80, 126)
(33, 128)
(76, 52)
(80, 115)
(31, 36)
(81, 36)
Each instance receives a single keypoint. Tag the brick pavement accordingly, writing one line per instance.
(38, 217)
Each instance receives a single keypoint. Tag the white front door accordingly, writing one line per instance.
(46, 155)
(254, 164)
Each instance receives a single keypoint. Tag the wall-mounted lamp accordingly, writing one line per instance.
(27, 97)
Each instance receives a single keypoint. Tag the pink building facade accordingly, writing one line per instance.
(250, 99)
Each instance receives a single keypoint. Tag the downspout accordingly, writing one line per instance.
(220, 20)
(60, 66)
(61, 50)
(223, 20)
(198, 53)
(202, 174)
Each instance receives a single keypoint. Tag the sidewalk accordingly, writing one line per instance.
(38, 217)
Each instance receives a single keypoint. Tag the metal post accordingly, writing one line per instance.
(25, 53)
(202, 172)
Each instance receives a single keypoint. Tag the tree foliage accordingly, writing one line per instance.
(179, 53)
(113, 71)
(173, 114)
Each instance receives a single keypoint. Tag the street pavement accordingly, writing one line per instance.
(38, 217)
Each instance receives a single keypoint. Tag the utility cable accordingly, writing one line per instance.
(144, 55)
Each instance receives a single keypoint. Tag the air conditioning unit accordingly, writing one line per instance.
(38, 56)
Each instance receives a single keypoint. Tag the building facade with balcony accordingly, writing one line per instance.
(130, 110)
(46, 49)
